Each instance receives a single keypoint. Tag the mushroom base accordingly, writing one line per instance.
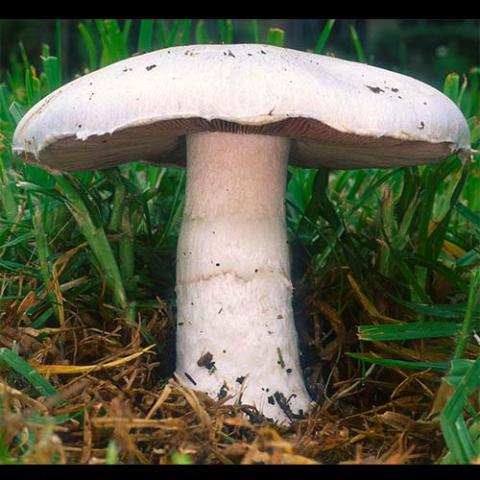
(236, 335)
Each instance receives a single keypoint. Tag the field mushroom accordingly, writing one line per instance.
(235, 116)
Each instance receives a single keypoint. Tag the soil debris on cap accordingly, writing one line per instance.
(375, 89)
(206, 361)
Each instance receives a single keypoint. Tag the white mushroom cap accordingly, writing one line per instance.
(339, 114)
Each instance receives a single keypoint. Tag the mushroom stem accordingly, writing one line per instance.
(235, 333)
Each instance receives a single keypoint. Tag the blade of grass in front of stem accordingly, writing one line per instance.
(322, 39)
(96, 238)
(472, 301)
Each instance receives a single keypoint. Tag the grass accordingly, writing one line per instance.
(386, 267)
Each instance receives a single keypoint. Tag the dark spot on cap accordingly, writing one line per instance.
(190, 378)
(79, 125)
(289, 370)
(271, 400)
(240, 379)
(424, 103)
(279, 317)
(220, 311)
(375, 89)
(395, 90)
(230, 54)
(264, 53)
(400, 97)
(224, 351)
(180, 323)
(150, 67)
(217, 264)
(191, 303)
(249, 54)
(256, 270)
(206, 361)
(422, 125)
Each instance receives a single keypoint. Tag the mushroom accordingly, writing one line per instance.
(235, 116)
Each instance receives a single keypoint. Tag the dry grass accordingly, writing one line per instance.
(114, 385)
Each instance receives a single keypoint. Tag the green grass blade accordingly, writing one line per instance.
(276, 36)
(225, 31)
(186, 31)
(43, 253)
(453, 425)
(472, 301)
(52, 69)
(23, 368)
(357, 44)
(126, 30)
(59, 49)
(322, 39)
(255, 31)
(393, 363)
(95, 235)
(451, 86)
(201, 34)
(89, 44)
(408, 331)
(145, 36)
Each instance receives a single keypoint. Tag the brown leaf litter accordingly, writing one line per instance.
(115, 386)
